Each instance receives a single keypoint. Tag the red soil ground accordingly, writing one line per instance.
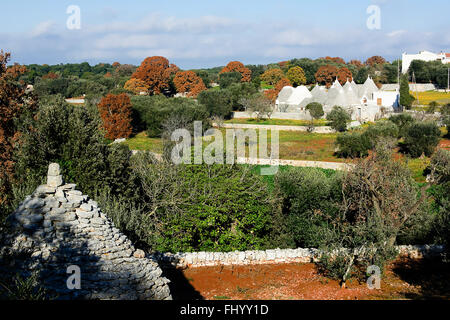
(406, 279)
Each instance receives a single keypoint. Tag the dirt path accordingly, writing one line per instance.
(403, 280)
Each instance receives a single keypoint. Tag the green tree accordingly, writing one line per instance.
(422, 138)
(406, 99)
(297, 76)
(338, 118)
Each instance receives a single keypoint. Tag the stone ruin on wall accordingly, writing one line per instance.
(58, 227)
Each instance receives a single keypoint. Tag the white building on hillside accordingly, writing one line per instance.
(423, 56)
(289, 98)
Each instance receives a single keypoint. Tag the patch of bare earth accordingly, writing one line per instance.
(294, 281)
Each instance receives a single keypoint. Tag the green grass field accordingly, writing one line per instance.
(278, 122)
(143, 143)
(295, 146)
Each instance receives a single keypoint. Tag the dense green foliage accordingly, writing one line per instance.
(353, 145)
(421, 138)
(71, 137)
(200, 207)
(406, 99)
(310, 199)
(429, 72)
(315, 110)
(153, 114)
(338, 118)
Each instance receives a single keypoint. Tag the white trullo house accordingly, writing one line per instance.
(365, 102)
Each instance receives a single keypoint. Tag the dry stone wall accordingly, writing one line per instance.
(57, 227)
(274, 256)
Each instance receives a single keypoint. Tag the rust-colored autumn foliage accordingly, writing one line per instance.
(190, 82)
(356, 63)
(12, 102)
(115, 111)
(155, 72)
(236, 66)
(326, 75)
(272, 94)
(344, 75)
(50, 75)
(375, 60)
(335, 59)
(136, 86)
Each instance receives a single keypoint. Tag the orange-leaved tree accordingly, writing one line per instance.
(372, 61)
(272, 94)
(236, 66)
(344, 75)
(156, 73)
(115, 111)
(326, 75)
(356, 63)
(14, 101)
(136, 86)
(190, 82)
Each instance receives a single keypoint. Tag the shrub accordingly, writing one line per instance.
(379, 197)
(228, 78)
(339, 119)
(422, 138)
(432, 107)
(151, 112)
(310, 199)
(217, 102)
(315, 110)
(402, 120)
(440, 166)
(201, 207)
(386, 129)
(353, 145)
(71, 137)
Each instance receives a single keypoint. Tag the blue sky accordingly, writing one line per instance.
(205, 33)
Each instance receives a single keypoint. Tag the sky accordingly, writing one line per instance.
(208, 33)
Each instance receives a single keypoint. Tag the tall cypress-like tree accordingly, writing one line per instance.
(406, 99)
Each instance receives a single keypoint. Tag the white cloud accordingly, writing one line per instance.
(42, 28)
(209, 41)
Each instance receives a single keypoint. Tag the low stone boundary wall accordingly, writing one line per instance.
(274, 256)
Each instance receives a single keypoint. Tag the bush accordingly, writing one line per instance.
(353, 145)
(71, 137)
(228, 78)
(218, 103)
(421, 138)
(201, 207)
(402, 120)
(381, 129)
(310, 199)
(339, 119)
(315, 110)
(379, 198)
(151, 112)
(440, 166)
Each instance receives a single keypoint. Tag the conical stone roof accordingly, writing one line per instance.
(58, 227)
